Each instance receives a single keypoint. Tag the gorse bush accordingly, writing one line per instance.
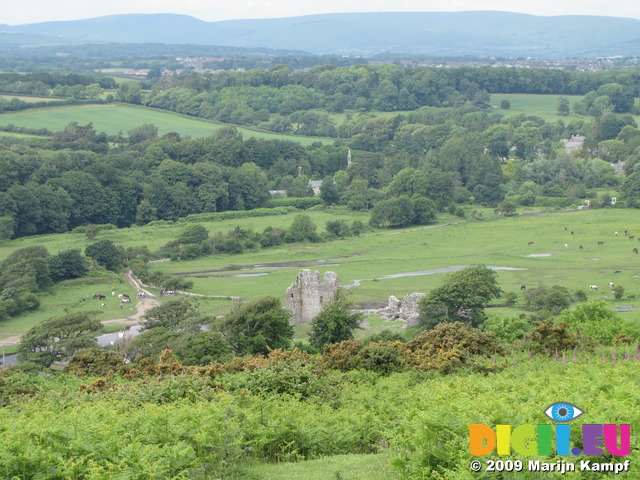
(450, 347)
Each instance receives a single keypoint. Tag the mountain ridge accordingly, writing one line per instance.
(479, 33)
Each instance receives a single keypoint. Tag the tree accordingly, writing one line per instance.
(505, 104)
(621, 97)
(258, 327)
(507, 208)
(300, 187)
(302, 229)
(28, 211)
(67, 264)
(248, 187)
(563, 106)
(596, 320)
(193, 234)
(59, 337)
(461, 298)
(630, 190)
(550, 300)
(92, 231)
(142, 133)
(395, 212)
(335, 323)
(329, 191)
(106, 253)
(6, 227)
(171, 314)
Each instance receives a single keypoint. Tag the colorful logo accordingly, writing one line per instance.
(562, 412)
(532, 440)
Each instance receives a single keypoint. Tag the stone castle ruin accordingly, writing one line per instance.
(405, 310)
(307, 295)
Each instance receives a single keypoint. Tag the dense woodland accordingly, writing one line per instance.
(446, 145)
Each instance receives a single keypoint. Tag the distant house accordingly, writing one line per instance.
(278, 193)
(315, 185)
(574, 143)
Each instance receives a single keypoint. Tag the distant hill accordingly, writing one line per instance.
(441, 33)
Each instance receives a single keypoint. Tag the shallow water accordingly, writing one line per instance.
(107, 338)
(356, 283)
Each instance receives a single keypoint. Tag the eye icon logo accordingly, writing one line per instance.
(562, 412)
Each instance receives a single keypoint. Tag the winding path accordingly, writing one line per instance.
(142, 306)
(144, 303)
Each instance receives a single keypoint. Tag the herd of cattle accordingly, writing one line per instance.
(599, 243)
(124, 298)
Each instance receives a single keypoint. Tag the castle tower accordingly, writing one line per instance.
(307, 295)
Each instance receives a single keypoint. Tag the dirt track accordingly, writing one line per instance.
(142, 306)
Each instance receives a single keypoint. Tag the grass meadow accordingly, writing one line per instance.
(399, 262)
(380, 262)
(543, 106)
(114, 118)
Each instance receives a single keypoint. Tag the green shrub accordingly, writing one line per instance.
(449, 347)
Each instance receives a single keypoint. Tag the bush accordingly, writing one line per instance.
(381, 357)
(232, 214)
(507, 329)
(596, 320)
(94, 361)
(449, 347)
(302, 203)
(550, 337)
(342, 355)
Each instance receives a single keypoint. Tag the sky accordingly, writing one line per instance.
(34, 11)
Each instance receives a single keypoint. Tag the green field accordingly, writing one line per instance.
(543, 106)
(409, 253)
(388, 262)
(114, 118)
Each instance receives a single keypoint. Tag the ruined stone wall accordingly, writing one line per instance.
(307, 295)
(406, 310)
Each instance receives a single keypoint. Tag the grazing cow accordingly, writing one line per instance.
(626, 233)
(581, 247)
(611, 284)
(530, 243)
(631, 237)
(593, 287)
(125, 300)
(600, 243)
(566, 246)
(615, 233)
(104, 304)
(635, 250)
(120, 295)
(571, 232)
(124, 295)
(523, 287)
(99, 296)
(113, 294)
